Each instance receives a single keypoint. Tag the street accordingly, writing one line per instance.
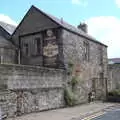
(113, 114)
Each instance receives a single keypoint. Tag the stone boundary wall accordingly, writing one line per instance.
(33, 88)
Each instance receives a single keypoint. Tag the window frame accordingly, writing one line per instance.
(100, 58)
(86, 50)
(38, 46)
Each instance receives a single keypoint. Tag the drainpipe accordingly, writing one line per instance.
(106, 87)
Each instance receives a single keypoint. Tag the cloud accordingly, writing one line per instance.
(106, 29)
(80, 2)
(7, 19)
(117, 3)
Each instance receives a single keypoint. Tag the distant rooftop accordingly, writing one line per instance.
(8, 27)
(114, 61)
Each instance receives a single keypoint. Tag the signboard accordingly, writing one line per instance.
(50, 49)
(50, 35)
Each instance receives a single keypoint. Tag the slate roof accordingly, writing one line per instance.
(8, 27)
(114, 61)
(5, 34)
(69, 27)
(64, 25)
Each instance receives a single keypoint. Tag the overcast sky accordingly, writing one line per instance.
(102, 16)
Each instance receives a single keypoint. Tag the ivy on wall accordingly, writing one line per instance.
(69, 92)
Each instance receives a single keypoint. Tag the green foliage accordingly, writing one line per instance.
(114, 92)
(69, 97)
(74, 81)
(69, 92)
(70, 68)
(70, 65)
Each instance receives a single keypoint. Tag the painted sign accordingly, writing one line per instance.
(50, 35)
(50, 50)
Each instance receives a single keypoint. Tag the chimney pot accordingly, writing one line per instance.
(83, 27)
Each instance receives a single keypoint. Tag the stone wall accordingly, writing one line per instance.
(73, 51)
(113, 76)
(34, 88)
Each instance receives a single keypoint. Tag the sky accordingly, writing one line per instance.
(101, 16)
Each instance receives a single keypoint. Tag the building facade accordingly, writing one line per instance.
(46, 41)
(114, 74)
(45, 47)
(7, 49)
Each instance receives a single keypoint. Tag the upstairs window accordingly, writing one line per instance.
(100, 56)
(101, 79)
(86, 50)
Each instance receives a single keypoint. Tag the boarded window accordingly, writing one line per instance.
(26, 49)
(86, 50)
(37, 46)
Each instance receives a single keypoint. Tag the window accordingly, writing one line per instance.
(38, 46)
(86, 50)
(100, 56)
(101, 79)
(26, 48)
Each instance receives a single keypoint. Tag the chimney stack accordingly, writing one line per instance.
(83, 27)
(62, 20)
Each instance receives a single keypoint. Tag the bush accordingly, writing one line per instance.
(70, 68)
(70, 65)
(114, 93)
(69, 92)
(74, 81)
(69, 97)
(114, 96)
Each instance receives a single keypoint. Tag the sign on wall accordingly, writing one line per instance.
(50, 49)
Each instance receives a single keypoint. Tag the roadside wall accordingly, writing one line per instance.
(34, 88)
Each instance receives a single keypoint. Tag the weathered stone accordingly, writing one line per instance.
(73, 51)
(29, 92)
(113, 76)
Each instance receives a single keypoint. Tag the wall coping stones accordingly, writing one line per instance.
(31, 67)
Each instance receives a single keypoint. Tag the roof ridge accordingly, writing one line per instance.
(6, 26)
(69, 26)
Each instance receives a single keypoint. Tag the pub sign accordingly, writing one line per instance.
(50, 48)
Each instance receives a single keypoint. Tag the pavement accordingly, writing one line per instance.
(70, 113)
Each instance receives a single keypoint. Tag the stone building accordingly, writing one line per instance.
(114, 74)
(45, 40)
(7, 49)
(46, 46)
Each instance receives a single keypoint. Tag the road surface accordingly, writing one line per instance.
(113, 114)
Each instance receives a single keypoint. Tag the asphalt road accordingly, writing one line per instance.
(110, 115)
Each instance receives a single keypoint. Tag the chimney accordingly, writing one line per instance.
(62, 20)
(83, 27)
